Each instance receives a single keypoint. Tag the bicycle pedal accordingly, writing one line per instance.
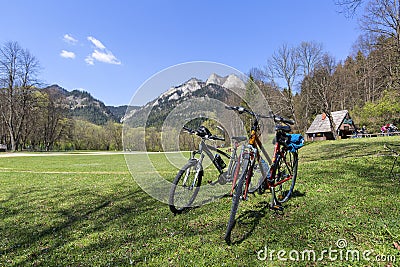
(222, 179)
(277, 207)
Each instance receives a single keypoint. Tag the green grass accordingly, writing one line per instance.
(87, 210)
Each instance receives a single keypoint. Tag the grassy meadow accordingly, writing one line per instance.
(87, 210)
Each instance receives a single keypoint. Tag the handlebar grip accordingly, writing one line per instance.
(284, 120)
(265, 116)
(288, 121)
(188, 130)
(239, 109)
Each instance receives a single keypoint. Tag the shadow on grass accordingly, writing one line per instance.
(39, 238)
(296, 194)
(247, 221)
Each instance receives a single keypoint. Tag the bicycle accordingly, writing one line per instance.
(278, 174)
(187, 182)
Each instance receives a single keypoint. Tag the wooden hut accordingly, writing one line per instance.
(320, 128)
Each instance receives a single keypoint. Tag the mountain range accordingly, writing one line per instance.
(216, 87)
(82, 105)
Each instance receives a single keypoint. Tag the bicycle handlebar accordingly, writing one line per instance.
(214, 137)
(203, 134)
(187, 129)
(271, 116)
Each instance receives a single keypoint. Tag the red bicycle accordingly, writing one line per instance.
(277, 174)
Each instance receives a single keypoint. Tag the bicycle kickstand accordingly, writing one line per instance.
(275, 206)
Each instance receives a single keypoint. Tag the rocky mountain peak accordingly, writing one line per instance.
(230, 81)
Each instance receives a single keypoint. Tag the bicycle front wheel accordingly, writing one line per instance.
(185, 186)
(285, 176)
(237, 194)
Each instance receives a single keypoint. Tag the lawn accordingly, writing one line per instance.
(87, 210)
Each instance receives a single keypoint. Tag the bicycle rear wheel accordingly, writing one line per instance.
(237, 194)
(185, 186)
(285, 174)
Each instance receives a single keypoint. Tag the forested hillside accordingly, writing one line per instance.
(82, 105)
(52, 118)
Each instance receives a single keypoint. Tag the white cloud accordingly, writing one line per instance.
(106, 57)
(100, 53)
(69, 39)
(96, 43)
(67, 54)
(89, 60)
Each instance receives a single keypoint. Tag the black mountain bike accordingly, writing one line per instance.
(187, 182)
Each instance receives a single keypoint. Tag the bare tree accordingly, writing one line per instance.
(18, 70)
(382, 17)
(310, 55)
(349, 7)
(382, 20)
(284, 65)
(323, 89)
(381, 26)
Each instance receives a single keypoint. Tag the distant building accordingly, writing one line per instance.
(320, 128)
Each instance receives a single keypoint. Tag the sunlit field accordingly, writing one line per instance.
(87, 210)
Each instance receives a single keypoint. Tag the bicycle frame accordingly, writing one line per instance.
(208, 149)
(189, 178)
(253, 146)
(203, 147)
(278, 152)
(252, 151)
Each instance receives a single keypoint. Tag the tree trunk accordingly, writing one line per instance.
(332, 125)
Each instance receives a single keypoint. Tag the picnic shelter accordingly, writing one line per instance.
(320, 128)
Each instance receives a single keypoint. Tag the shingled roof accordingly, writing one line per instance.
(322, 126)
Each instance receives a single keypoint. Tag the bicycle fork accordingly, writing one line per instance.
(237, 170)
(197, 163)
(252, 158)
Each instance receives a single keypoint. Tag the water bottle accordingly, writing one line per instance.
(219, 162)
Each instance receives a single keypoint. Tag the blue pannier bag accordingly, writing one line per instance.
(295, 142)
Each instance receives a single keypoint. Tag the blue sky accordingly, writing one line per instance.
(110, 48)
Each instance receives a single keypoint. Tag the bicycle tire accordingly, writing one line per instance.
(181, 197)
(235, 200)
(286, 165)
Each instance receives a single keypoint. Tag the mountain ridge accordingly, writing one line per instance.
(154, 113)
(82, 105)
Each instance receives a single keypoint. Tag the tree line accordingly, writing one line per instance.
(298, 81)
(35, 119)
(305, 80)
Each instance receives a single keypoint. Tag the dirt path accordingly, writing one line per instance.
(46, 154)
